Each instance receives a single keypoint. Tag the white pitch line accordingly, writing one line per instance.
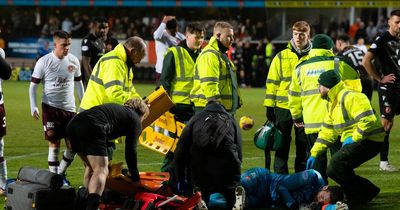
(8, 158)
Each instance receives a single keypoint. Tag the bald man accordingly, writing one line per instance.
(111, 79)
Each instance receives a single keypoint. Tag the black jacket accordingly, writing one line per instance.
(209, 168)
(5, 69)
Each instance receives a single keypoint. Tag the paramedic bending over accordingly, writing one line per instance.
(89, 132)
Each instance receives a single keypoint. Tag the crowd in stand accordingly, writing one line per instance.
(248, 52)
(35, 22)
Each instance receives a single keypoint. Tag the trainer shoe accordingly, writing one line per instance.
(386, 167)
(240, 195)
(201, 205)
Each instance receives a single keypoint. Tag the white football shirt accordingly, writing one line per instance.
(164, 41)
(58, 76)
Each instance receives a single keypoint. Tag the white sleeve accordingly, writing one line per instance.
(79, 89)
(77, 67)
(2, 53)
(32, 97)
(181, 36)
(158, 34)
(38, 71)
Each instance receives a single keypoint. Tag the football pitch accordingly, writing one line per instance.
(25, 144)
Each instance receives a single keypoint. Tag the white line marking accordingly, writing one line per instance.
(24, 156)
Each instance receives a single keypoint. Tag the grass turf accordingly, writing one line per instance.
(25, 145)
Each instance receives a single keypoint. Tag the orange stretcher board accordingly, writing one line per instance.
(149, 181)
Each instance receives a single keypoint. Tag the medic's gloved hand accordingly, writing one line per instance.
(347, 141)
(271, 114)
(330, 207)
(311, 162)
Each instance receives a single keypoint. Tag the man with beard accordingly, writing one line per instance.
(386, 48)
(93, 46)
(351, 117)
(215, 75)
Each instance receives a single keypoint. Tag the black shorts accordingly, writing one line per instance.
(55, 120)
(85, 138)
(389, 97)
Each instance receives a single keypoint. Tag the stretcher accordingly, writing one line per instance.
(163, 135)
(152, 193)
(119, 181)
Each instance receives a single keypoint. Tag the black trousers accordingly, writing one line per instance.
(342, 165)
(322, 160)
(284, 123)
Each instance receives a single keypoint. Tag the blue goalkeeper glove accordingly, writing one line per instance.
(311, 162)
(330, 207)
(349, 140)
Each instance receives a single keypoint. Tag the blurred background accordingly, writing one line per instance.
(27, 26)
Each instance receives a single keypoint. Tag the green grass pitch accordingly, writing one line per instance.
(25, 145)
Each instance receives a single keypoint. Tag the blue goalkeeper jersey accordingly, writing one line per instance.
(265, 189)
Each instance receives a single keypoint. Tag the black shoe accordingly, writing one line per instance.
(372, 193)
(81, 198)
(363, 197)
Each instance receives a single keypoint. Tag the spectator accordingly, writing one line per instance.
(371, 31)
(66, 25)
(361, 32)
(360, 44)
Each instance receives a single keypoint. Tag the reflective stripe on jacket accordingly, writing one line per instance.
(182, 84)
(110, 82)
(350, 115)
(305, 101)
(279, 77)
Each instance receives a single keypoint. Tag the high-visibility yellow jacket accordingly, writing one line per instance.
(305, 102)
(350, 115)
(269, 50)
(214, 78)
(111, 81)
(182, 83)
(279, 77)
